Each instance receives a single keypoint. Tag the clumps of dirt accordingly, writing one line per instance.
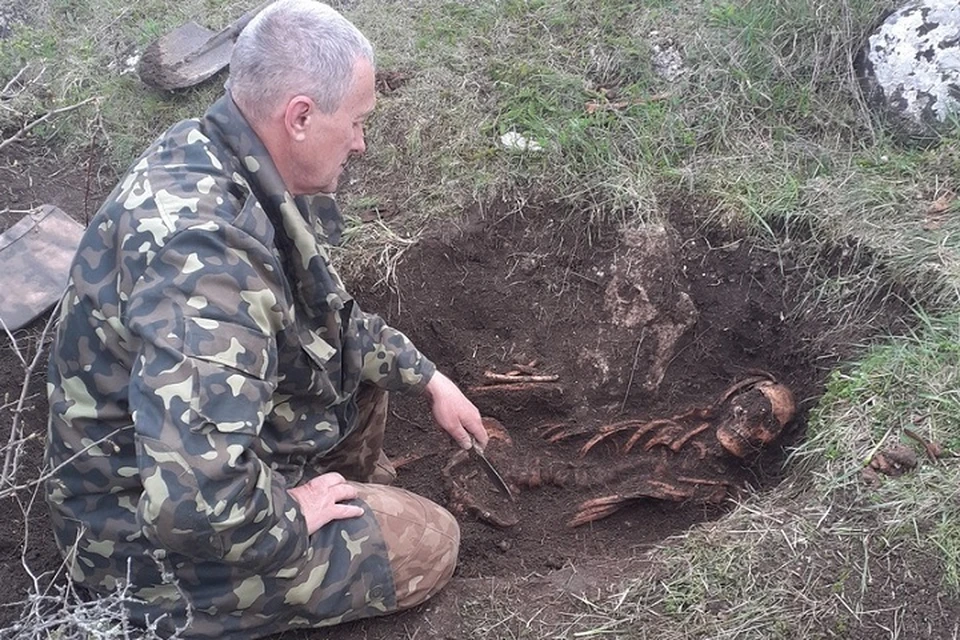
(639, 324)
(389, 81)
(896, 460)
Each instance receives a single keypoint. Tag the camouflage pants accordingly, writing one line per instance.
(398, 554)
(422, 538)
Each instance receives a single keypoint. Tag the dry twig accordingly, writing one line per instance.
(49, 114)
(5, 93)
(15, 442)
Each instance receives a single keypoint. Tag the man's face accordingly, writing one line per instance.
(330, 139)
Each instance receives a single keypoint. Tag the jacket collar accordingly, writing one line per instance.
(303, 225)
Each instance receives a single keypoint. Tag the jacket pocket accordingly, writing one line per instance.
(322, 359)
(231, 345)
(234, 369)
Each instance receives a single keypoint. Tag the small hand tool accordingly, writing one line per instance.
(490, 470)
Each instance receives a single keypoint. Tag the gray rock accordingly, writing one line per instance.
(667, 59)
(12, 14)
(910, 68)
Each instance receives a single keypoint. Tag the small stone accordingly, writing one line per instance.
(504, 545)
(518, 142)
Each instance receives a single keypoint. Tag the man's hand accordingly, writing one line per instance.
(319, 500)
(454, 412)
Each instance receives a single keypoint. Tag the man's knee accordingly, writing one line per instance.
(422, 538)
(430, 562)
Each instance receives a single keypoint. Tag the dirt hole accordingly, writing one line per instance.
(637, 324)
(514, 289)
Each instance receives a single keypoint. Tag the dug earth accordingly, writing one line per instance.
(632, 377)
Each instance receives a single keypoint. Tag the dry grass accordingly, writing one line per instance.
(766, 126)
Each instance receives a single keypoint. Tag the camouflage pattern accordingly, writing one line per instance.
(360, 456)
(207, 359)
(422, 541)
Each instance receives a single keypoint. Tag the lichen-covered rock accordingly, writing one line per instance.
(910, 68)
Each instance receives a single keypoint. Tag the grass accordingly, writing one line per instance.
(765, 131)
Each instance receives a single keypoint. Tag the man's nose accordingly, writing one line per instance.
(359, 143)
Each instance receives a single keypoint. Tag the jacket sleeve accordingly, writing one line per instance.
(206, 311)
(390, 359)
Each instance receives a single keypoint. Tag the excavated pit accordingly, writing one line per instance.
(637, 324)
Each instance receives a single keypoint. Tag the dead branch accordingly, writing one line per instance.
(49, 114)
(54, 609)
(15, 441)
(5, 92)
(8, 491)
(59, 611)
(13, 342)
(10, 404)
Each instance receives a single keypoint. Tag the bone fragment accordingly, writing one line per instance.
(507, 378)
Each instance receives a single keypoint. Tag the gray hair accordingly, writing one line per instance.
(295, 47)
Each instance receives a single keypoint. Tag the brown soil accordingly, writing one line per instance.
(36, 174)
(637, 325)
(530, 288)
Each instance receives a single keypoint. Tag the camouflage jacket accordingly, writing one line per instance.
(207, 351)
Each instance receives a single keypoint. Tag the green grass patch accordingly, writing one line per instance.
(911, 382)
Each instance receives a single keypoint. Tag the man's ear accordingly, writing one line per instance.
(297, 117)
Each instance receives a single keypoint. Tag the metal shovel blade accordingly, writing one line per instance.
(490, 470)
(190, 54)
